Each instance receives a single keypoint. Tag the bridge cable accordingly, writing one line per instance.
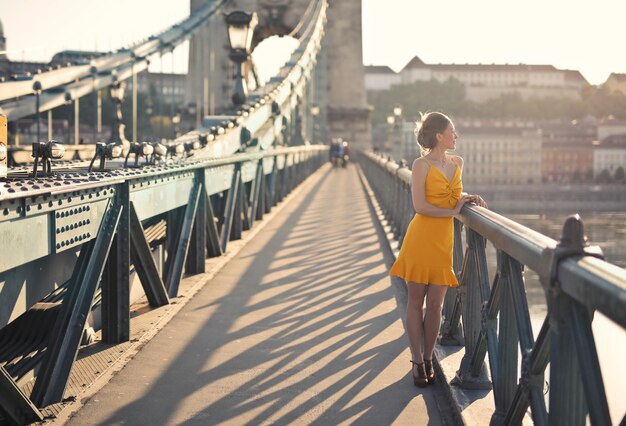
(304, 18)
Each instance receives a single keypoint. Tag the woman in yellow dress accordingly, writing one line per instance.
(425, 258)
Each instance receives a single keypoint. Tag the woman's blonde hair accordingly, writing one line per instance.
(428, 126)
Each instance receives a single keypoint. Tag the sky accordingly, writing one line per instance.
(569, 34)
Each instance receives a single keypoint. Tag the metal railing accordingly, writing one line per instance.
(204, 204)
(496, 320)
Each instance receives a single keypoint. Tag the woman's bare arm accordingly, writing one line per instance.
(475, 199)
(418, 194)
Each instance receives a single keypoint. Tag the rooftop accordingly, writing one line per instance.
(378, 69)
(619, 77)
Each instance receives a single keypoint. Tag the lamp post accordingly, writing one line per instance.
(315, 111)
(241, 27)
(37, 89)
(116, 90)
(176, 123)
(68, 102)
(148, 114)
(192, 111)
(389, 141)
(94, 74)
(397, 132)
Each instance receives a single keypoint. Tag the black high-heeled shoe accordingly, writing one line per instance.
(430, 373)
(421, 380)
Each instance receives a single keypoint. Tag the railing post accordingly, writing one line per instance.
(452, 333)
(505, 380)
(197, 246)
(567, 403)
(395, 201)
(271, 187)
(116, 280)
(471, 301)
(230, 208)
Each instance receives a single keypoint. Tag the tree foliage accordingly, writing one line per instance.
(604, 176)
(449, 96)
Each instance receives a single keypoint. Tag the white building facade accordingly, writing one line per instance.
(484, 81)
(608, 159)
(610, 154)
(380, 77)
(510, 154)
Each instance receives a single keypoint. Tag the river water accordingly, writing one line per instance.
(608, 230)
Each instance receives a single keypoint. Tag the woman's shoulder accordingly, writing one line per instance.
(421, 162)
(420, 167)
(458, 160)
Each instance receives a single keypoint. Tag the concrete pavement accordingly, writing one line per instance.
(301, 327)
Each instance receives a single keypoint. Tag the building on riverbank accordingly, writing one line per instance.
(567, 150)
(616, 83)
(609, 155)
(499, 152)
(484, 81)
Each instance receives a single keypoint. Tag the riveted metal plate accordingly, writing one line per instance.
(10, 209)
(53, 202)
(76, 225)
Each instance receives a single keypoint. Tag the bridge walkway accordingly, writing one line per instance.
(302, 326)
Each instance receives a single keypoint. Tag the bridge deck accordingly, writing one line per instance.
(302, 326)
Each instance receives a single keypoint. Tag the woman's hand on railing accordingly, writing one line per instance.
(477, 199)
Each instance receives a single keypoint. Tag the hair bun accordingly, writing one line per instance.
(427, 128)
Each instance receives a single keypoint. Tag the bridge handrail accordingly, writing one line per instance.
(576, 280)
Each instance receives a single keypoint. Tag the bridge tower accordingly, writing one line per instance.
(339, 88)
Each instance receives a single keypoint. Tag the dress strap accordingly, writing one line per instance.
(428, 161)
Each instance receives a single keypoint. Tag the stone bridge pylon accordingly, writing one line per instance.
(338, 88)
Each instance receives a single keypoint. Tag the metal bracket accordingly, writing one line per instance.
(487, 324)
(527, 379)
(573, 243)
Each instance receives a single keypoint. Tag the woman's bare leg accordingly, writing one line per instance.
(415, 319)
(432, 322)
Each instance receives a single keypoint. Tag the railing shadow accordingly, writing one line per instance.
(318, 321)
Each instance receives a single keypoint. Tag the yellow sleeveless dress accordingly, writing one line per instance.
(426, 253)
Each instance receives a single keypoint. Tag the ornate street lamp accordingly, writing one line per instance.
(241, 27)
